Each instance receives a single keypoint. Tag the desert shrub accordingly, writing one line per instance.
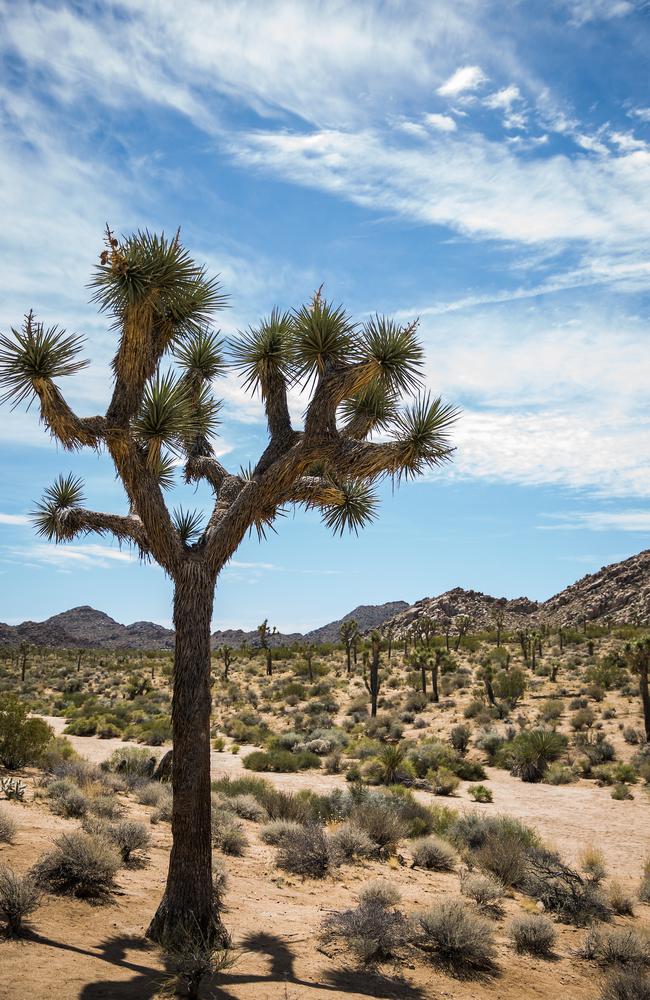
(479, 793)
(457, 937)
(584, 718)
(274, 832)
(67, 799)
(509, 686)
(280, 760)
(594, 748)
(534, 750)
(551, 710)
(503, 855)
(592, 862)
(644, 888)
(619, 773)
(247, 807)
(106, 806)
(8, 826)
(418, 819)
(22, 739)
(228, 833)
(443, 781)
(574, 899)
(434, 855)
(130, 837)
(350, 842)
(194, 954)
(19, 896)
(133, 763)
(532, 934)
(306, 851)
(152, 793)
(626, 984)
(163, 813)
(472, 710)
(381, 892)
(80, 864)
(619, 946)
(57, 750)
(632, 736)
(621, 792)
(390, 766)
(486, 890)
(381, 822)
(559, 774)
(619, 900)
(459, 738)
(374, 930)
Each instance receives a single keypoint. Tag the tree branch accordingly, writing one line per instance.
(78, 520)
(63, 423)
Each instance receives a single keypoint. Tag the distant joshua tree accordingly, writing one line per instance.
(348, 632)
(161, 303)
(638, 658)
(225, 652)
(264, 633)
(371, 677)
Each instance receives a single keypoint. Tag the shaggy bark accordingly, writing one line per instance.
(189, 880)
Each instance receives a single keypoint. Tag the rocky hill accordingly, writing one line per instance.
(87, 627)
(619, 593)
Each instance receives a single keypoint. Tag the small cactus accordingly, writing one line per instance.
(12, 789)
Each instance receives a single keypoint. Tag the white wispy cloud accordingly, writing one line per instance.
(464, 79)
(85, 556)
(443, 123)
(583, 11)
(14, 519)
(637, 521)
(504, 98)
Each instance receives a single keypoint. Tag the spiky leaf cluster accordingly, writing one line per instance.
(263, 353)
(65, 494)
(157, 277)
(36, 354)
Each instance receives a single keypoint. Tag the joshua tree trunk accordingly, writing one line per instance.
(489, 690)
(645, 698)
(269, 662)
(423, 668)
(188, 894)
(434, 681)
(374, 684)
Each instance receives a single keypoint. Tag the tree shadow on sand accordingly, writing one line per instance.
(148, 977)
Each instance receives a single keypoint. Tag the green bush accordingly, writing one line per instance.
(306, 851)
(434, 855)
(22, 739)
(281, 760)
(480, 793)
(534, 750)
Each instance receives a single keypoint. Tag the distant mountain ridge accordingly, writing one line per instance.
(619, 593)
(87, 627)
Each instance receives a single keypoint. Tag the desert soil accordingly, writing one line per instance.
(76, 951)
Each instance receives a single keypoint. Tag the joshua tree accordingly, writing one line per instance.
(264, 632)
(638, 658)
(23, 655)
(348, 632)
(463, 623)
(371, 678)
(447, 625)
(389, 632)
(499, 618)
(308, 651)
(426, 628)
(225, 652)
(160, 303)
(436, 661)
(80, 653)
(418, 660)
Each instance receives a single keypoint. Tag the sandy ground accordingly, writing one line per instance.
(76, 951)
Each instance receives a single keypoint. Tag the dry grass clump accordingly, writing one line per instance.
(380, 820)
(457, 937)
(351, 842)
(619, 900)
(228, 833)
(306, 851)
(8, 826)
(273, 833)
(486, 891)
(644, 888)
(434, 854)
(532, 934)
(618, 946)
(80, 864)
(19, 896)
(374, 930)
(626, 984)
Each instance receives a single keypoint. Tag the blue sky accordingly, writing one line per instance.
(484, 165)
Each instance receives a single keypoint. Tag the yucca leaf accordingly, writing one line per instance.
(147, 270)
(355, 507)
(323, 336)
(187, 524)
(422, 432)
(201, 356)
(67, 492)
(372, 409)
(395, 351)
(263, 353)
(34, 354)
(165, 416)
(165, 471)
